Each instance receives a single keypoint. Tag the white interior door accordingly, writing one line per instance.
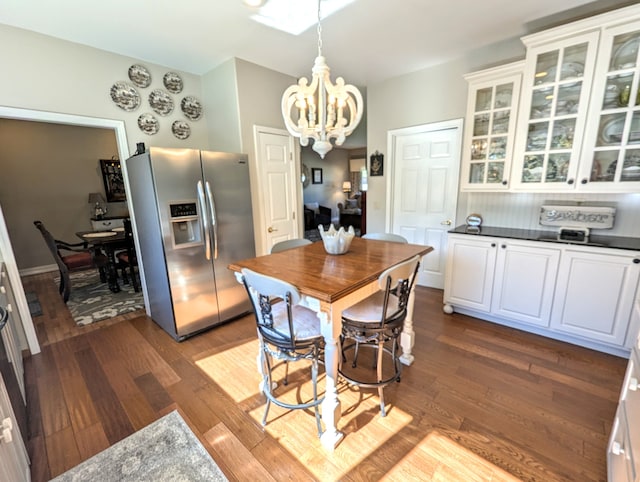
(277, 175)
(424, 190)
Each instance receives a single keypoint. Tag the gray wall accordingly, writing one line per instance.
(48, 171)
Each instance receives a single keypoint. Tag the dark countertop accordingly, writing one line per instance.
(617, 242)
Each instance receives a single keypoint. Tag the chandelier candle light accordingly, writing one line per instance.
(325, 111)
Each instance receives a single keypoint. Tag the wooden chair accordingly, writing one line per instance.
(289, 244)
(127, 260)
(80, 258)
(376, 322)
(287, 332)
(394, 238)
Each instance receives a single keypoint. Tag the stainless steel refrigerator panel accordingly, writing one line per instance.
(227, 178)
(151, 258)
(176, 174)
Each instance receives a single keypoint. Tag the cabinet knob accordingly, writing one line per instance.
(504, 183)
(570, 181)
(584, 181)
(493, 245)
(504, 246)
(636, 260)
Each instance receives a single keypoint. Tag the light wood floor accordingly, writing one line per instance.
(481, 402)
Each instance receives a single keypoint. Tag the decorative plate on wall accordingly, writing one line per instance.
(139, 75)
(181, 129)
(148, 124)
(161, 102)
(173, 82)
(125, 96)
(191, 107)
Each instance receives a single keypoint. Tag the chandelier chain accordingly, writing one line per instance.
(319, 31)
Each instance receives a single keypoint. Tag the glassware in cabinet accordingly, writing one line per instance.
(612, 153)
(489, 136)
(556, 90)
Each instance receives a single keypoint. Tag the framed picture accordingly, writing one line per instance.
(376, 167)
(112, 179)
(316, 175)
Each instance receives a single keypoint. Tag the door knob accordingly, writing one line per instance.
(271, 230)
(446, 223)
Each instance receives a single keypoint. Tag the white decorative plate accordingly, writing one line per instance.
(191, 107)
(181, 129)
(139, 75)
(161, 102)
(125, 96)
(172, 82)
(148, 124)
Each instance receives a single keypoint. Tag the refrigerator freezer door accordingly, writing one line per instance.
(176, 174)
(232, 225)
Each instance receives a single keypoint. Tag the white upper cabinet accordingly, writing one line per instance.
(611, 156)
(491, 121)
(553, 112)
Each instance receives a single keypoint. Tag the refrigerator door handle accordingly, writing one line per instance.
(214, 223)
(204, 221)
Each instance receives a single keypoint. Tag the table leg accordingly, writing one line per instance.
(407, 337)
(112, 272)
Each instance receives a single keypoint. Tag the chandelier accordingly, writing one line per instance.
(324, 111)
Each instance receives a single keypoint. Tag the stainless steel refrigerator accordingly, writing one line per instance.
(192, 213)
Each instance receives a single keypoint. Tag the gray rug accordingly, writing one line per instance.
(35, 309)
(91, 300)
(166, 450)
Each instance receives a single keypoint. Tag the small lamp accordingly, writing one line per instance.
(97, 200)
(346, 186)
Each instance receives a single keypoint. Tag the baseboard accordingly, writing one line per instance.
(38, 270)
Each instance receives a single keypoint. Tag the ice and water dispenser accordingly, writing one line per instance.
(185, 224)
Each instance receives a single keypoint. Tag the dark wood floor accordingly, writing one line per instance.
(481, 402)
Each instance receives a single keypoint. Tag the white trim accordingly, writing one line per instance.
(5, 242)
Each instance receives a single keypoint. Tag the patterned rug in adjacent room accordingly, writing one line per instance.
(91, 300)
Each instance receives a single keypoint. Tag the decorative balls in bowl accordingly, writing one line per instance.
(336, 242)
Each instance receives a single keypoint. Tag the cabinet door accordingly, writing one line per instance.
(14, 460)
(555, 96)
(619, 463)
(470, 268)
(611, 160)
(630, 397)
(491, 121)
(595, 295)
(525, 282)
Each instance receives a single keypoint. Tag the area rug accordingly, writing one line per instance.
(35, 309)
(166, 450)
(91, 300)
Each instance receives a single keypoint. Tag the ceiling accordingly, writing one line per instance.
(366, 42)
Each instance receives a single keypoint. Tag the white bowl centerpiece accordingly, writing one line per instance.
(336, 242)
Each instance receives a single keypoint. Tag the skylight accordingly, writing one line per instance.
(296, 16)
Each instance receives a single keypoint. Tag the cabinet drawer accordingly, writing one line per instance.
(106, 224)
(620, 465)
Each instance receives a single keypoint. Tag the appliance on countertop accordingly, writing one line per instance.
(193, 217)
(575, 222)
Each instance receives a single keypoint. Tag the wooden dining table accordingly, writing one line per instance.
(109, 242)
(328, 285)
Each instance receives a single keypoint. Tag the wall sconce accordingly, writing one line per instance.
(346, 186)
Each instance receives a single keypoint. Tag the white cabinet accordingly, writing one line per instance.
(525, 281)
(596, 293)
(623, 451)
(582, 295)
(469, 272)
(490, 127)
(504, 277)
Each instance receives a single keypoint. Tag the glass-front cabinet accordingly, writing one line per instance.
(553, 113)
(611, 158)
(490, 127)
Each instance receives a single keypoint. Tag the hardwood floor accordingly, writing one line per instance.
(481, 401)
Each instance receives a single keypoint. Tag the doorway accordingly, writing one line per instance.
(422, 190)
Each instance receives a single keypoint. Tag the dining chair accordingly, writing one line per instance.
(127, 259)
(376, 322)
(287, 332)
(289, 244)
(394, 238)
(80, 258)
